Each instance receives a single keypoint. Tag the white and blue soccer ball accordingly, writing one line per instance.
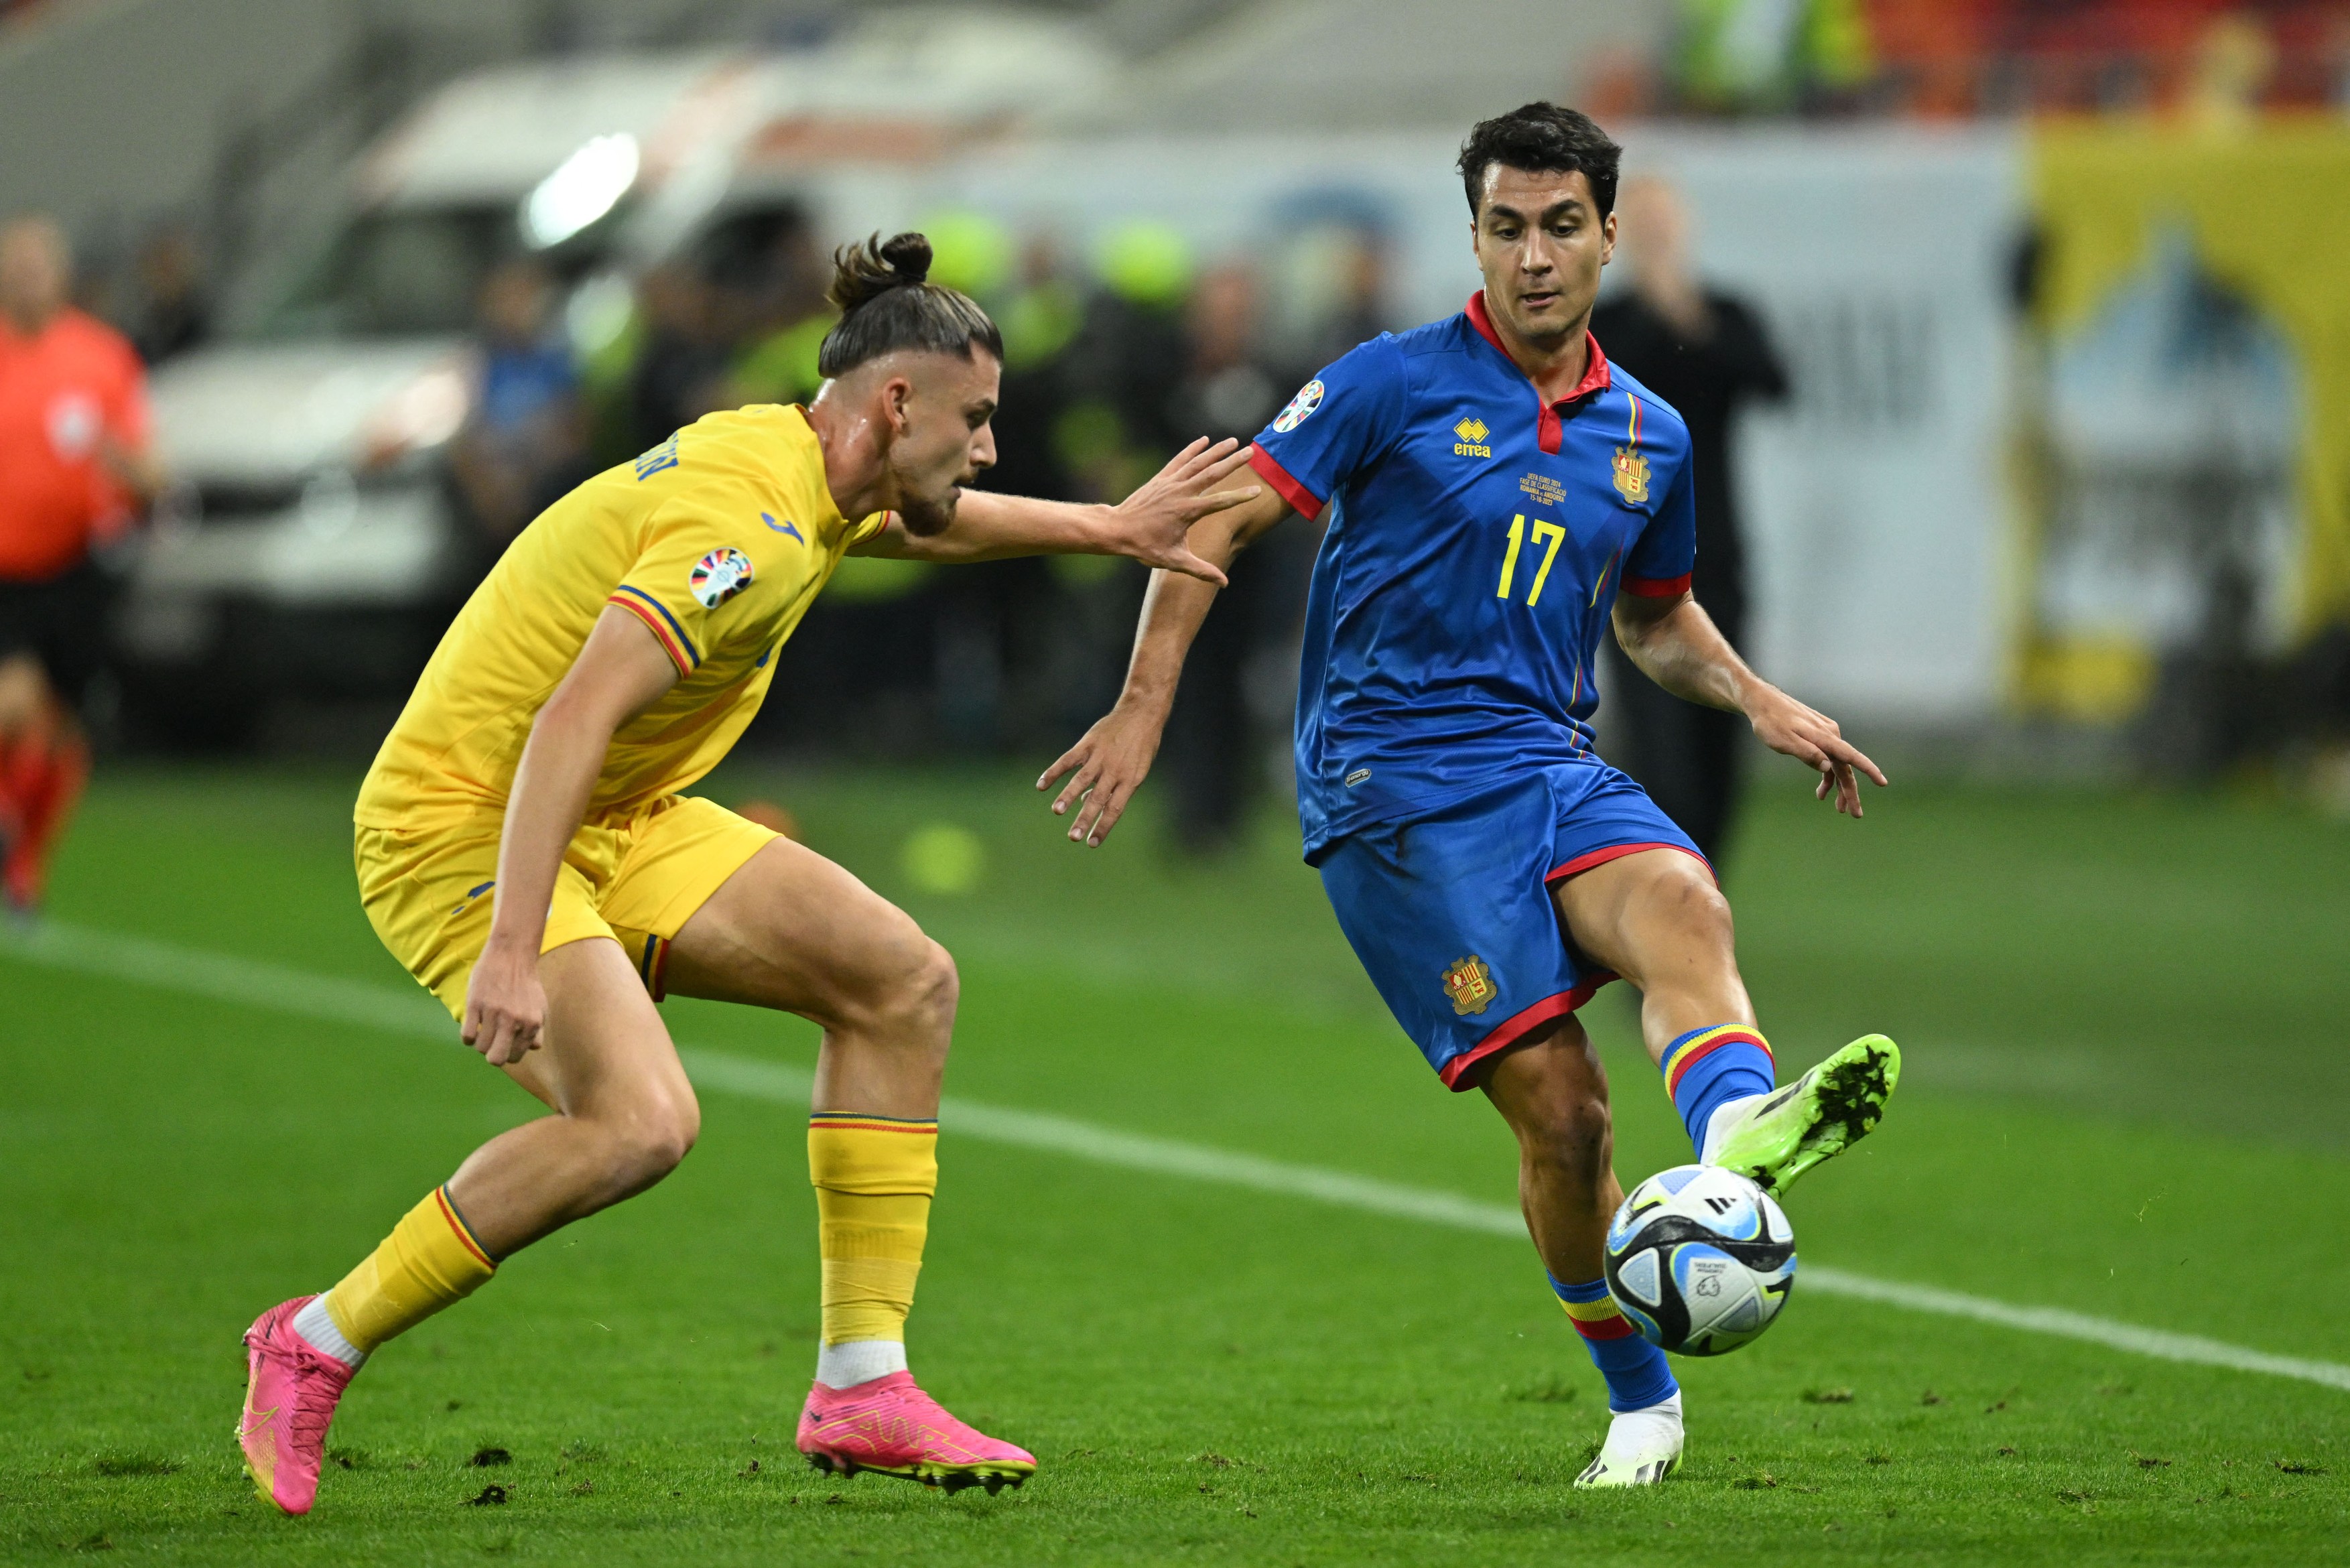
(1700, 1259)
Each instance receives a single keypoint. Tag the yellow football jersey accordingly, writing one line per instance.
(717, 540)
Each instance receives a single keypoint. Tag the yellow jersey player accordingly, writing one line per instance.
(524, 850)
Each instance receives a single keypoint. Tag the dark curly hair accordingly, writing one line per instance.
(886, 301)
(1547, 139)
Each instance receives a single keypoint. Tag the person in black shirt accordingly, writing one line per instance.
(1707, 354)
(1216, 746)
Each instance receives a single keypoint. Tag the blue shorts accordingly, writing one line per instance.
(1451, 911)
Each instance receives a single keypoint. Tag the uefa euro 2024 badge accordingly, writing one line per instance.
(720, 575)
(1308, 398)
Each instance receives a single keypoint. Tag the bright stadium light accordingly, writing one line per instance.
(581, 189)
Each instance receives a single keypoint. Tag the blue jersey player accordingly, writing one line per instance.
(1496, 497)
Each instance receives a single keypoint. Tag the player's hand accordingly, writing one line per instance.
(1812, 738)
(1154, 524)
(1104, 769)
(505, 1006)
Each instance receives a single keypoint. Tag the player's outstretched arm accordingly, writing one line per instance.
(1109, 764)
(620, 671)
(1150, 525)
(1678, 646)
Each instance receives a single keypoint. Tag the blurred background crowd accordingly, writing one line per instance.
(2016, 335)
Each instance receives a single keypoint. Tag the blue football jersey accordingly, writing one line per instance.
(1477, 537)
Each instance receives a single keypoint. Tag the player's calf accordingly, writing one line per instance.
(1553, 1094)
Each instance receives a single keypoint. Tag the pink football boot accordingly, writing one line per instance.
(287, 1402)
(891, 1428)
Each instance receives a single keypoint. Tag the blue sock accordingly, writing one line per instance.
(1638, 1373)
(1706, 1069)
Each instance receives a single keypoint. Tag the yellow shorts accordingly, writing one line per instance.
(636, 881)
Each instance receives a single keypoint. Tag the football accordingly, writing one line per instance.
(1700, 1259)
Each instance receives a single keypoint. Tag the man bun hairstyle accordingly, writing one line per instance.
(886, 302)
(1547, 139)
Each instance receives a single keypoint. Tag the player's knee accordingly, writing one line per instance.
(908, 998)
(927, 996)
(1573, 1136)
(655, 1136)
(1696, 908)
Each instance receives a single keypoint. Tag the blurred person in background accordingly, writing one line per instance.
(75, 467)
(1707, 354)
(175, 310)
(525, 442)
(1230, 389)
(780, 291)
(1057, 632)
(1362, 311)
(1134, 350)
(1041, 318)
(681, 372)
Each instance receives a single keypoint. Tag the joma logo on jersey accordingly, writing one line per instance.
(1472, 433)
(1631, 475)
(1470, 983)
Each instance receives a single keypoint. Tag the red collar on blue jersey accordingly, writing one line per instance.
(1549, 434)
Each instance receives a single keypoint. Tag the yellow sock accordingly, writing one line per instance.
(874, 1177)
(428, 1261)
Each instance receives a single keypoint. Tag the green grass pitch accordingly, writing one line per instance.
(2126, 1096)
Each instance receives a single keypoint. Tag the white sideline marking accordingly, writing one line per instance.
(244, 983)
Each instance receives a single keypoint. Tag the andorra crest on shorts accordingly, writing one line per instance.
(720, 575)
(1470, 983)
(1631, 475)
(1308, 398)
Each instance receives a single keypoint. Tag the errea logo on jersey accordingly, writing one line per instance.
(1308, 398)
(1472, 433)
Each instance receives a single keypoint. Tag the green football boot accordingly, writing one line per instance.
(1828, 1110)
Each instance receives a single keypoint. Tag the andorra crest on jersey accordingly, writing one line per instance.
(1470, 983)
(1308, 398)
(1631, 475)
(720, 575)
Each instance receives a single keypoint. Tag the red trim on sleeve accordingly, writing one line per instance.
(661, 634)
(1308, 504)
(1655, 588)
(1582, 863)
